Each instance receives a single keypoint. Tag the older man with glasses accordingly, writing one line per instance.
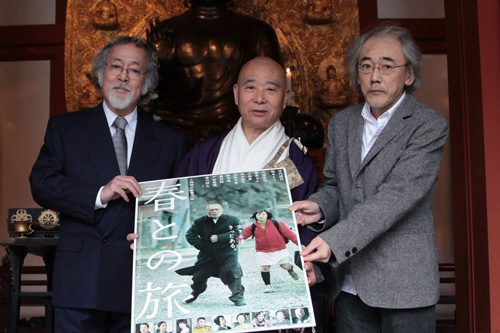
(381, 170)
(88, 169)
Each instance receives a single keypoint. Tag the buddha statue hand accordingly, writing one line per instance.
(156, 35)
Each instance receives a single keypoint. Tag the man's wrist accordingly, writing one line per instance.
(98, 202)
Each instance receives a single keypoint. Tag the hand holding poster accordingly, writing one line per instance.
(215, 252)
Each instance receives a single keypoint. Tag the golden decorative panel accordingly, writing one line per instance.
(313, 36)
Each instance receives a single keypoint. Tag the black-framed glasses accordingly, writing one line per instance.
(133, 73)
(384, 69)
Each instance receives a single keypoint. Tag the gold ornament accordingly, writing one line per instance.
(48, 219)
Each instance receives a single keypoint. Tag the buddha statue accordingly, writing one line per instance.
(106, 16)
(201, 53)
(318, 12)
(332, 90)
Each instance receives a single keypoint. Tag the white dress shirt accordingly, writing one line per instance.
(129, 134)
(371, 131)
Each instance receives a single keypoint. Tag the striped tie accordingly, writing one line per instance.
(120, 142)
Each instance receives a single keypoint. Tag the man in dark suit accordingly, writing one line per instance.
(214, 235)
(79, 174)
(381, 170)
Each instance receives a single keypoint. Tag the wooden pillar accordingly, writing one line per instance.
(489, 44)
(473, 37)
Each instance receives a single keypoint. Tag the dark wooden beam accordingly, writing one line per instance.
(468, 171)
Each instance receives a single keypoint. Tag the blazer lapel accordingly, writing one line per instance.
(393, 127)
(145, 150)
(355, 141)
(99, 145)
(222, 224)
(144, 155)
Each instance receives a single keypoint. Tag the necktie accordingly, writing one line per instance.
(120, 142)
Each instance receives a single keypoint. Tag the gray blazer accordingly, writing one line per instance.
(378, 212)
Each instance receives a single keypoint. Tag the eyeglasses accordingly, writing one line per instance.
(384, 69)
(133, 73)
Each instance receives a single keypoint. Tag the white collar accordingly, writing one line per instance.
(367, 114)
(111, 116)
(236, 154)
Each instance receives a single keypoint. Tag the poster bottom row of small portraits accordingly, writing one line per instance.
(218, 252)
(253, 321)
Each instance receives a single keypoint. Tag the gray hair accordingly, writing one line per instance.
(411, 52)
(153, 64)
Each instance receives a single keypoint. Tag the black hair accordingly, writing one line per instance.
(254, 216)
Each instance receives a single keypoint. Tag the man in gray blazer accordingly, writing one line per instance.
(381, 169)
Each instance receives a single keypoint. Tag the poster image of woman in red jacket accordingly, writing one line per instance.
(270, 245)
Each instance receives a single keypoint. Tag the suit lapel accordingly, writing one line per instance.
(101, 151)
(396, 124)
(355, 140)
(99, 145)
(144, 155)
(221, 223)
(145, 149)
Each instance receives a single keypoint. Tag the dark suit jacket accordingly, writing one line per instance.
(224, 252)
(378, 211)
(93, 267)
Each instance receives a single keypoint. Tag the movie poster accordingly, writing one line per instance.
(200, 227)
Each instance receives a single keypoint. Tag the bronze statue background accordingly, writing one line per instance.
(313, 35)
(201, 53)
